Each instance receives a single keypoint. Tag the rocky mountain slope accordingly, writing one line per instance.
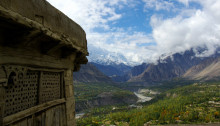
(89, 73)
(206, 70)
(134, 71)
(166, 69)
(113, 69)
(94, 89)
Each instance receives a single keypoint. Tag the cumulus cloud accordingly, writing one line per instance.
(90, 14)
(123, 42)
(188, 28)
(178, 34)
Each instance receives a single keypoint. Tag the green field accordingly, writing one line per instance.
(192, 104)
(88, 91)
(92, 95)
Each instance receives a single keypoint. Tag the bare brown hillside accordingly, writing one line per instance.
(206, 70)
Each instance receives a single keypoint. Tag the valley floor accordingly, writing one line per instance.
(196, 104)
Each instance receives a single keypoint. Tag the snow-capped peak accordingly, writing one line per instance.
(104, 57)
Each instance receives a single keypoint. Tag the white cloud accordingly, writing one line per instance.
(189, 28)
(178, 34)
(158, 4)
(90, 14)
(124, 43)
(185, 2)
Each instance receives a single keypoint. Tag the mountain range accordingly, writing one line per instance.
(104, 57)
(167, 69)
(89, 73)
(113, 69)
(180, 65)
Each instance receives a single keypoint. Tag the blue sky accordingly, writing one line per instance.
(143, 30)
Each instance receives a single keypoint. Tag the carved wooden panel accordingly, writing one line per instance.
(23, 94)
(49, 86)
(27, 87)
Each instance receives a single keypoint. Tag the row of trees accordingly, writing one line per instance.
(189, 104)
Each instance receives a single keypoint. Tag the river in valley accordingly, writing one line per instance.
(142, 98)
(79, 115)
(139, 94)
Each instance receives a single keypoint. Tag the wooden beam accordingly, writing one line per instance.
(31, 111)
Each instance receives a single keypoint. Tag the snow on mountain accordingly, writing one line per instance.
(104, 57)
